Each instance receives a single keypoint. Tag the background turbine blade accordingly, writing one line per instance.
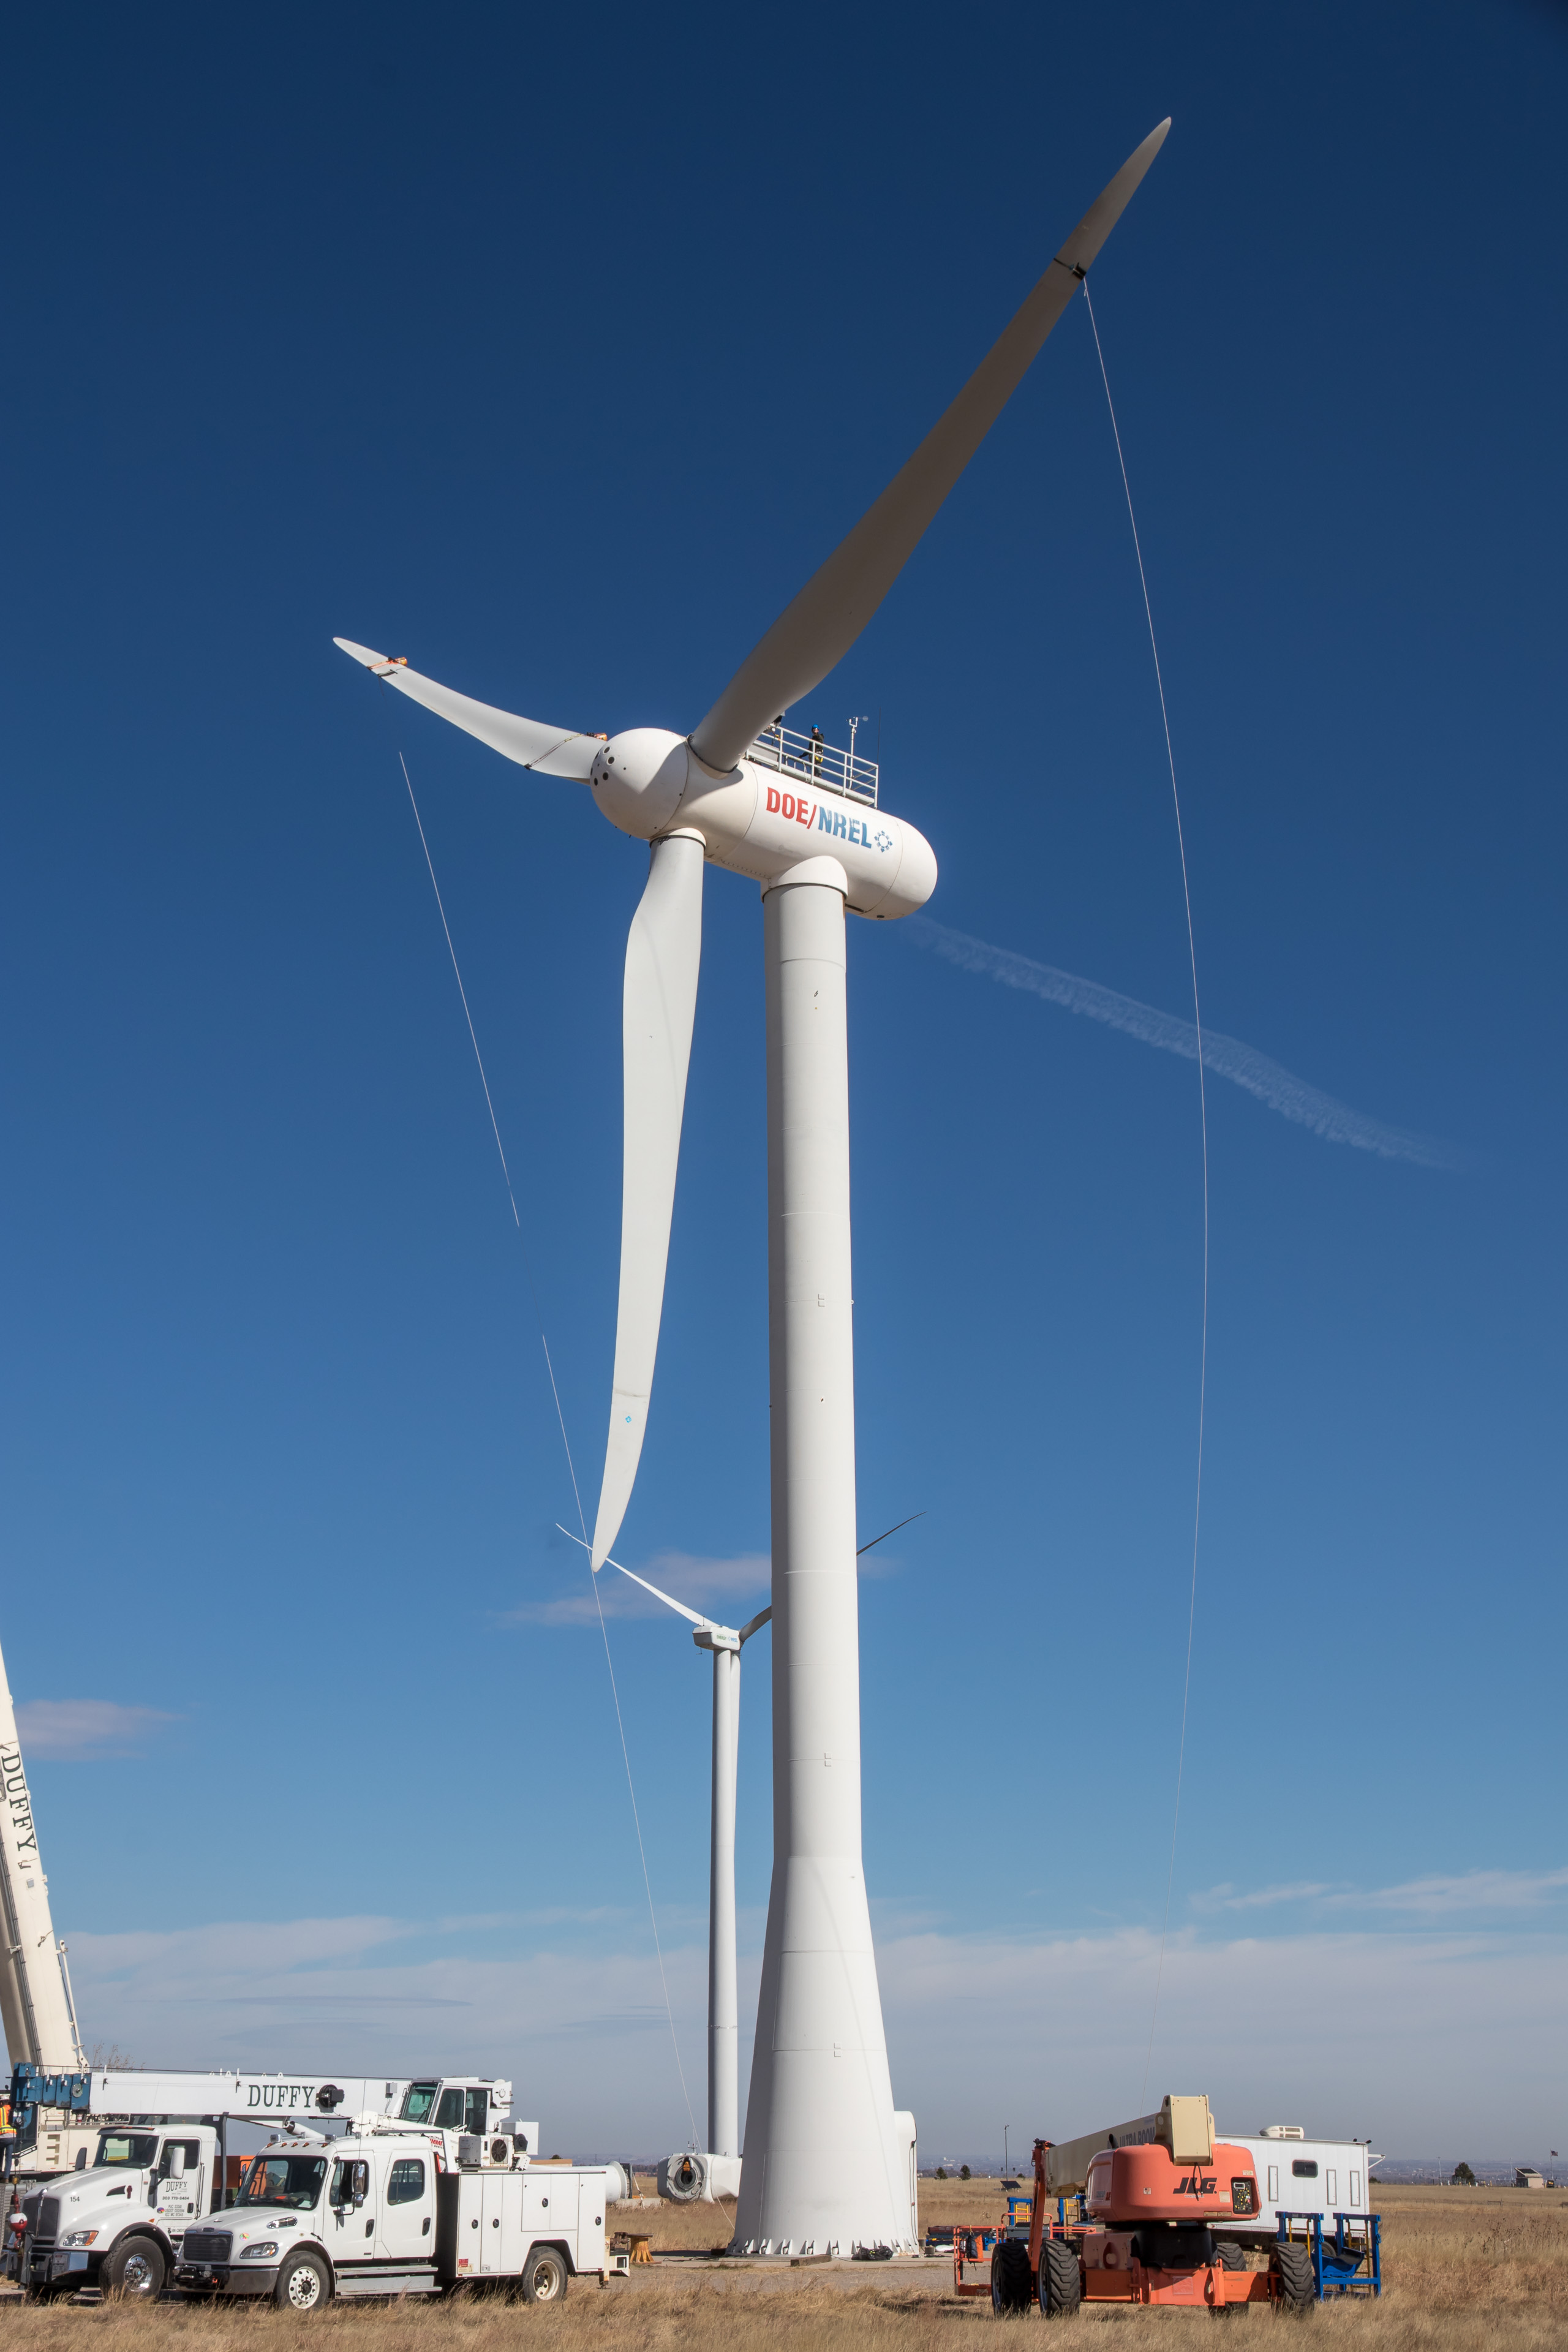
(663, 952)
(819, 628)
(549, 751)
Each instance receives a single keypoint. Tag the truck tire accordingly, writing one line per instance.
(134, 2267)
(304, 2283)
(1229, 2255)
(544, 2275)
(1061, 2280)
(1011, 2288)
(1293, 2266)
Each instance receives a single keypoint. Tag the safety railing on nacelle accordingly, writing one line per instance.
(816, 763)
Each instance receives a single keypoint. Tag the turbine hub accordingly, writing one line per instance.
(638, 780)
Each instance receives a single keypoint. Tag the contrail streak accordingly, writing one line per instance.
(1291, 1097)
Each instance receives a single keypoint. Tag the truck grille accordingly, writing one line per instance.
(48, 2225)
(205, 2245)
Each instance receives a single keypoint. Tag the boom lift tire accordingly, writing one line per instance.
(304, 2285)
(1229, 2255)
(135, 2268)
(1011, 2288)
(1061, 2281)
(1293, 2266)
(544, 2275)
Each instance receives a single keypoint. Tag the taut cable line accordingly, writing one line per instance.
(1204, 1124)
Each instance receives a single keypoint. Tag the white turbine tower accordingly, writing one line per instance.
(825, 2164)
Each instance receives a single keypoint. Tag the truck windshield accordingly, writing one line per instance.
(284, 2180)
(418, 2101)
(127, 2148)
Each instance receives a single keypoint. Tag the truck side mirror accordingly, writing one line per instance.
(177, 2164)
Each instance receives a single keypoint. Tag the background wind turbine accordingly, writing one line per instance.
(716, 2171)
(826, 2163)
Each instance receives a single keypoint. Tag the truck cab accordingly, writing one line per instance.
(118, 2220)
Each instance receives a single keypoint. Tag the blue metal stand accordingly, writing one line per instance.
(1347, 2260)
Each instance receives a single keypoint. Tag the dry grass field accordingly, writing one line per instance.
(1464, 2269)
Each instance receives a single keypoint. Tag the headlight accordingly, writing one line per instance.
(258, 2252)
(77, 2238)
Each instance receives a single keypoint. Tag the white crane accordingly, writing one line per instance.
(825, 2165)
(37, 2011)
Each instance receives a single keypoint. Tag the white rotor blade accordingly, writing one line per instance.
(708, 1624)
(660, 998)
(818, 630)
(548, 751)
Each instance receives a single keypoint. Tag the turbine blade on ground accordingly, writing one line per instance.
(660, 1001)
(815, 633)
(548, 751)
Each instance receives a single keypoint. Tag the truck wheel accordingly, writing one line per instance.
(1293, 2266)
(135, 2267)
(544, 2275)
(1010, 2284)
(1061, 2281)
(303, 2284)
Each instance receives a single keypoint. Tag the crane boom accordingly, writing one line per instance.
(36, 2012)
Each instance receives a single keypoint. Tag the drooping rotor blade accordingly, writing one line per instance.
(694, 1616)
(818, 630)
(548, 751)
(659, 1000)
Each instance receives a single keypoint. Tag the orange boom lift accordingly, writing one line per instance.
(1159, 2221)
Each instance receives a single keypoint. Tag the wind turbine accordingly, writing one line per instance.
(716, 2172)
(826, 2166)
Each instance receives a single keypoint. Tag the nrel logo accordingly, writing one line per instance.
(833, 822)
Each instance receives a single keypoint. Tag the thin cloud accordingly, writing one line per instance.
(1428, 2038)
(1260, 1898)
(82, 1730)
(1440, 1896)
(1279, 1088)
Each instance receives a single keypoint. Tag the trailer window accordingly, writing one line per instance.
(418, 2101)
(405, 2181)
(1304, 2168)
(284, 2180)
(127, 2148)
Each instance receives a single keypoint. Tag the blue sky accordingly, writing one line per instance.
(554, 352)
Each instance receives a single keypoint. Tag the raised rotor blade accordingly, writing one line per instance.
(818, 630)
(660, 998)
(549, 751)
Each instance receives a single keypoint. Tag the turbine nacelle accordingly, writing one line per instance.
(760, 819)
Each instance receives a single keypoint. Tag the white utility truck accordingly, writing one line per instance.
(381, 2213)
(158, 2159)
